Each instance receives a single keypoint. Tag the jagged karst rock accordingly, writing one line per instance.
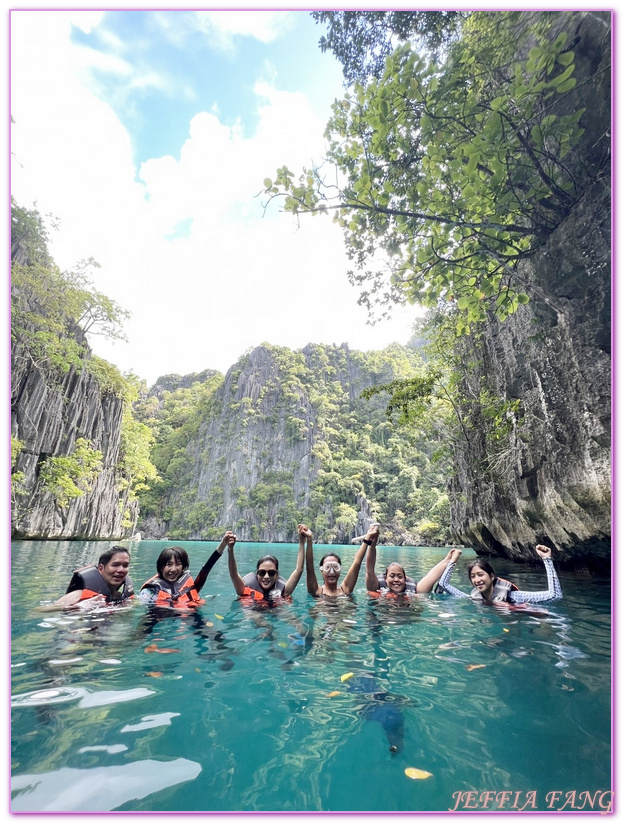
(264, 436)
(49, 412)
(549, 481)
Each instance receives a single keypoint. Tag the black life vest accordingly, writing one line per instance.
(252, 583)
(91, 582)
(180, 594)
(501, 590)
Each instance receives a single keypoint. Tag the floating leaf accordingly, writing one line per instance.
(333, 694)
(346, 676)
(219, 616)
(505, 630)
(283, 645)
(473, 666)
(417, 774)
(208, 623)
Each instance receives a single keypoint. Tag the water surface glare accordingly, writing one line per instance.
(240, 709)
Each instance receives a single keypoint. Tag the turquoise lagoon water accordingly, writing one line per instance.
(240, 709)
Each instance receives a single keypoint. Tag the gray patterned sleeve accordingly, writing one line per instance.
(554, 592)
(445, 584)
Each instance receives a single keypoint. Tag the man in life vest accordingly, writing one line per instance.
(107, 582)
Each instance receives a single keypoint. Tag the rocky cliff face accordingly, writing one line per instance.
(49, 412)
(264, 457)
(548, 480)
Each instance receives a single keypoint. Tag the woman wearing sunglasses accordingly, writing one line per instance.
(331, 567)
(265, 583)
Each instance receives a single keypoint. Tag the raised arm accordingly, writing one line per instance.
(554, 592)
(371, 539)
(312, 581)
(228, 537)
(233, 570)
(372, 580)
(304, 534)
(445, 584)
(430, 578)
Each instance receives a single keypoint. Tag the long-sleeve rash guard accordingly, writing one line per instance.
(553, 592)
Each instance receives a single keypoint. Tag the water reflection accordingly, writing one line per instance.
(294, 708)
(97, 790)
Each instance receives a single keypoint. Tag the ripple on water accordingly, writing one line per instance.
(83, 787)
(64, 694)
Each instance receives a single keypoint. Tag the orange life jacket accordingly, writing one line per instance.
(181, 594)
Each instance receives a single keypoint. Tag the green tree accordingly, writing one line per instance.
(69, 476)
(361, 40)
(453, 173)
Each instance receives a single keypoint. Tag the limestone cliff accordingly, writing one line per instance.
(287, 437)
(549, 478)
(57, 401)
(47, 416)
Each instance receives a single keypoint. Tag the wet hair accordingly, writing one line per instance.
(266, 557)
(107, 556)
(395, 563)
(330, 554)
(482, 564)
(181, 555)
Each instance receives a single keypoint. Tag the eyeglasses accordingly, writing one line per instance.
(331, 567)
(266, 572)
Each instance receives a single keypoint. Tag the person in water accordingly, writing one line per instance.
(395, 581)
(331, 566)
(491, 588)
(105, 583)
(265, 583)
(173, 586)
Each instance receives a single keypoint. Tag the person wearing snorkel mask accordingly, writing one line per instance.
(331, 567)
(265, 583)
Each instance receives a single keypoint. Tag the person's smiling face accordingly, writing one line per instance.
(116, 570)
(395, 578)
(172, 571)
(266, 574)
(482, 581)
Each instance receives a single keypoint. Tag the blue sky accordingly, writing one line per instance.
(148, 134)
(181, 64)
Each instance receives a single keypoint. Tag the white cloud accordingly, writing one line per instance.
(238, 278)
(223, 27)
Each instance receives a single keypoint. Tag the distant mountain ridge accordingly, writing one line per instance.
(286, 437)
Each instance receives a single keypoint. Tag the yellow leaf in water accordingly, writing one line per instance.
(333, 694)
(219, 616)
(283, 645)
(505, 630)
(473, 666)
(417, 774)
(346, 676)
